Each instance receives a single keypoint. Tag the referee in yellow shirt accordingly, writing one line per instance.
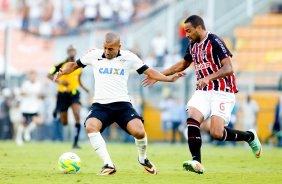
(68, 94)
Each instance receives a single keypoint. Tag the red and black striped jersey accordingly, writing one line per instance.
(207, 57)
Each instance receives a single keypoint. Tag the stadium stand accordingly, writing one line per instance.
(259, 45)
(258, 63)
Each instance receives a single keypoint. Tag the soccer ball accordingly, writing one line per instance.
(69, 163)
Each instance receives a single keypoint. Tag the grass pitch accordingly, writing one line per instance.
(36, 163)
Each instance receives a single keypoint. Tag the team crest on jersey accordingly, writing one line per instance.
(122, 60)
(111, 71)
(203, 54)
(193, 56)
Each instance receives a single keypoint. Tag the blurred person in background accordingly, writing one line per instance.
(90, 10)
(35, 8)
(106, 11)
(126, 11)
(45, 28)
(112, 103)
(6, 127)
(31, 92)
(68, 94)
(177, 111)
(159, 47)
(164, 108)
(277, 126)
(250, 111)
(214, 96)
(24, 10)
(15, 111)
(184, 41)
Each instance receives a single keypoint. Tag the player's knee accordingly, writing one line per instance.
(216, 134)
(90, 127)
(139, 134)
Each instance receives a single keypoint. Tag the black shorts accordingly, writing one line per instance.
(118, 112)
(66, 99)
(28, 117)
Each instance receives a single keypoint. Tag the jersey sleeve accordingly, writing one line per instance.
(136, 63)
(188, 56)
(220, 48)
(56, 68)
(88, 58)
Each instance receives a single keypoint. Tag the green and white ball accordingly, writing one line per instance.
(69, 163)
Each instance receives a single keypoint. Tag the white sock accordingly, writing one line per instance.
(99, 146)
(20, 130)
(28, 130)
(141, 147)
(31, 127)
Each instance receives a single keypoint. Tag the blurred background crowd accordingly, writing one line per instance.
(35, 35)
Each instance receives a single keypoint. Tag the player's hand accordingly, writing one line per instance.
(148, 81)
(177, 75)
(201, 83)
(58, 75)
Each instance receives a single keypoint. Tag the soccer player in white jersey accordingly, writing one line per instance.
(214, 96)
(30, 106)
(111, 68)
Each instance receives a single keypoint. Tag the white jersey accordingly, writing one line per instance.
(111, 75)
(30, 101)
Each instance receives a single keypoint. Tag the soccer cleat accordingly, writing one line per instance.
(76, 147)
(107, 170)
(149, 167)
(255, 144)
(193, 166)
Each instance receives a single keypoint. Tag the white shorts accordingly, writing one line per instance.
(211, 103)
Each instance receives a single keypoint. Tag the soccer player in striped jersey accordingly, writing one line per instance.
(214, 96)
(111, 68)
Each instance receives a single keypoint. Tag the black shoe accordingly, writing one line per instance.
(149, 166)
(107, 170)
(76, 147)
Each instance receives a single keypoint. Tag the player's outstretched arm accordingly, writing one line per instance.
(153, 74)
(178, 67)
(69, 68)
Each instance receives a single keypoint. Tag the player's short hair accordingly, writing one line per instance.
(71, 47)
(195, 21)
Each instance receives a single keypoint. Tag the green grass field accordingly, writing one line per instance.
(36, 163)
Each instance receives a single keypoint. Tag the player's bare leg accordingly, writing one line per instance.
(93, 127)
(222, 133)
(136, 128)
(64, 118)
(76, 112)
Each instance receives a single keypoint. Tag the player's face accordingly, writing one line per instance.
(192, 33)
(72, 53)
(32, 76)
(111, 49)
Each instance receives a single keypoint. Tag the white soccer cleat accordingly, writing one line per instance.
(193, 166)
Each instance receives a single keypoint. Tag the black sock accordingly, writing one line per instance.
(77, 126)
(194, 138)
(230, 134)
